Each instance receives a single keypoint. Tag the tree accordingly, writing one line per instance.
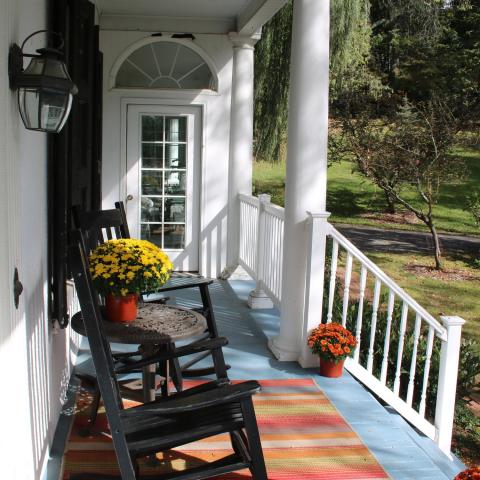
(410, 148)
(427, 48)
(473, 206)
(403, 32)
(349, 51)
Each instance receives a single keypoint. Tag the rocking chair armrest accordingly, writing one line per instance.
(192, 348)
(158, 301)
(220, 395)
(181, 283)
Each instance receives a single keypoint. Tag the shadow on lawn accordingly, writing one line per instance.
(343, 202)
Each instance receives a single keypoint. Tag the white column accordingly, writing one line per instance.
(241, 137)
(306, 177)
(447, 382)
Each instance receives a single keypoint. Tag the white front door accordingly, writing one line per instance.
(163, 179)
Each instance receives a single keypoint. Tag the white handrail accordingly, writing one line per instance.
(275, 210)
(249, 199)
(379, 273)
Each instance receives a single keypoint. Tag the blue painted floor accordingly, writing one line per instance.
(403, 452)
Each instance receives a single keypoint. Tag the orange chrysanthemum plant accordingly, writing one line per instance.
(332, 341)
(469, 474)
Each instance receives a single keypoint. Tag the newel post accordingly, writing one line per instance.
(258, 298)
(447, 382)
(317, 226)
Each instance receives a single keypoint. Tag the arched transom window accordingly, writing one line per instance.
(165, 65)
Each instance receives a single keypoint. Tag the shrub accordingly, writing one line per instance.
(469, 363)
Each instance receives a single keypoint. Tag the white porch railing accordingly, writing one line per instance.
(261, 243)
(397, 338)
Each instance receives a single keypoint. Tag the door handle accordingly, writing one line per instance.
(129, 198)
(17, 288)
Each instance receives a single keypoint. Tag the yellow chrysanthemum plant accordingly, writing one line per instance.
(124, 266)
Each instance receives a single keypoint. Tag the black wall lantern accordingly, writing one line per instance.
(45, 90)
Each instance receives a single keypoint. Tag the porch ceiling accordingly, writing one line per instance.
(197, 16)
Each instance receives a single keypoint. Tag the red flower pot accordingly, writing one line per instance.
(328, 368)
(121, 309)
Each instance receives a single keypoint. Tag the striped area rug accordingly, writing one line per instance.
(303, 436)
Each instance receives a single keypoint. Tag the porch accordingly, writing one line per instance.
(400, 449)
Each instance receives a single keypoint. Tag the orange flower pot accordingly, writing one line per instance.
(328, 368)
(121, 309)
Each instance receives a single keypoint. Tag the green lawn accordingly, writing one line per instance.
(350, 197)
(447, 296)
(353, 199)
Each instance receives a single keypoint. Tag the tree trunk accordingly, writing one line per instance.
(390, 202)
(436, 245)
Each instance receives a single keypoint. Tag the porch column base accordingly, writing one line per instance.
(308, 360)
(258, 299)
(227, 271)
(283, 353)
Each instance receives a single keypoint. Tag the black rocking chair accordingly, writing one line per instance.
(200, 412)
(98, 226)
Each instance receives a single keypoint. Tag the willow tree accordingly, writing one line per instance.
(349, 50)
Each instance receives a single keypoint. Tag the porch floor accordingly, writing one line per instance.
(399, 448)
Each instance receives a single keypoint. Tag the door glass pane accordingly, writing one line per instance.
(175, 155)
(174, 210)
(152, 232)
(176, 129)
(152, 182)
(152, 155)
(175, 182)
(152, 128)
(174, 236)
(151, 209)
(164, 180)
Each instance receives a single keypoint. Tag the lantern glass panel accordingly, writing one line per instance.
(55, 68)
(28, 101)
(52, 109)
(44, 110)
(36, 66)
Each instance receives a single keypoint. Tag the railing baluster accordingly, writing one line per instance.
(426, 372)
(413, 364)
(333, 278)
(266, 249)
(373, 328)
(271, 227)
(346, 290)
(255, 241)
(401, 341)
(363, 283)
(277, 259)
(386, 346)
(280, 263)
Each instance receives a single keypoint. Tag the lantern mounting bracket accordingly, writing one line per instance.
(15, 64)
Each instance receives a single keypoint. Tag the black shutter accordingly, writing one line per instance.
(75, 153)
